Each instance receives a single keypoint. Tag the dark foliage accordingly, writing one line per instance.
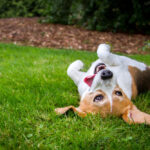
(22, 8)
(101, 15)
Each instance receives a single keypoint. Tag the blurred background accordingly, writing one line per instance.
(123, 24)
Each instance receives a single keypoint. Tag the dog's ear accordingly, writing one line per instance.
(134, 115)
(63, 110)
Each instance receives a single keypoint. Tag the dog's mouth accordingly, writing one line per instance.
(99, 67)
(89, 79)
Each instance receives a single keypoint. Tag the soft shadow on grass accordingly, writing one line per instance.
(33, 82)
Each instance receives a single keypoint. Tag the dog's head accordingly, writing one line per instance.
(105, 95)
(99, 102)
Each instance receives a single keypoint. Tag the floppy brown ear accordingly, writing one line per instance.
(63, 110)
(134, 115)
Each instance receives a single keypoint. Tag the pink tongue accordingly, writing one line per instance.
(89, 79)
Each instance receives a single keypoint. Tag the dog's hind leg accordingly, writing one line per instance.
(111, 59)
(107, 57)
(74, 72)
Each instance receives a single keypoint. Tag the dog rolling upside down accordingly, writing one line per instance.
(109, 85)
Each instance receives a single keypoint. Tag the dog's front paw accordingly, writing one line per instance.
(103, 51)
(76, 65)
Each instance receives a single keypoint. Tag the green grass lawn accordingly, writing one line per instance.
(33, 82)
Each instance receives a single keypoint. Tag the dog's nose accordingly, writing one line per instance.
(106, 74)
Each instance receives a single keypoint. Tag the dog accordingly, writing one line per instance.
(109, 85)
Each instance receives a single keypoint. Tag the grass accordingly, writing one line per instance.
(33, 82)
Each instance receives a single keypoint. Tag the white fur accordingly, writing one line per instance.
(115, 63)
(107, 57)
(74, 72)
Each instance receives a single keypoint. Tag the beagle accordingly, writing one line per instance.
(109, 85)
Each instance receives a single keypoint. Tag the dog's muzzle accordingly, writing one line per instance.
(106, 74)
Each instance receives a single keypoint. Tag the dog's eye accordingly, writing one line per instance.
(99, 67)
(98, 98)
(118, 93)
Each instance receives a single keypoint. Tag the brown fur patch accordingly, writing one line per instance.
(63, 110)
(134, 86)
(120, 103)
(87, 105)
(141, 79)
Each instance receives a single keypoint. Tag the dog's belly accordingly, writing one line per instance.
(141, 78)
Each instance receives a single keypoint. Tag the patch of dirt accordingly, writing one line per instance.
(27, 31)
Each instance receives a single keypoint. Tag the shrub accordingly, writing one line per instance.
(101, 15)
(58, 11)
(116, 15)
(22, 8)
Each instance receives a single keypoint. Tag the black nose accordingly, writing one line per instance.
(106, 74)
